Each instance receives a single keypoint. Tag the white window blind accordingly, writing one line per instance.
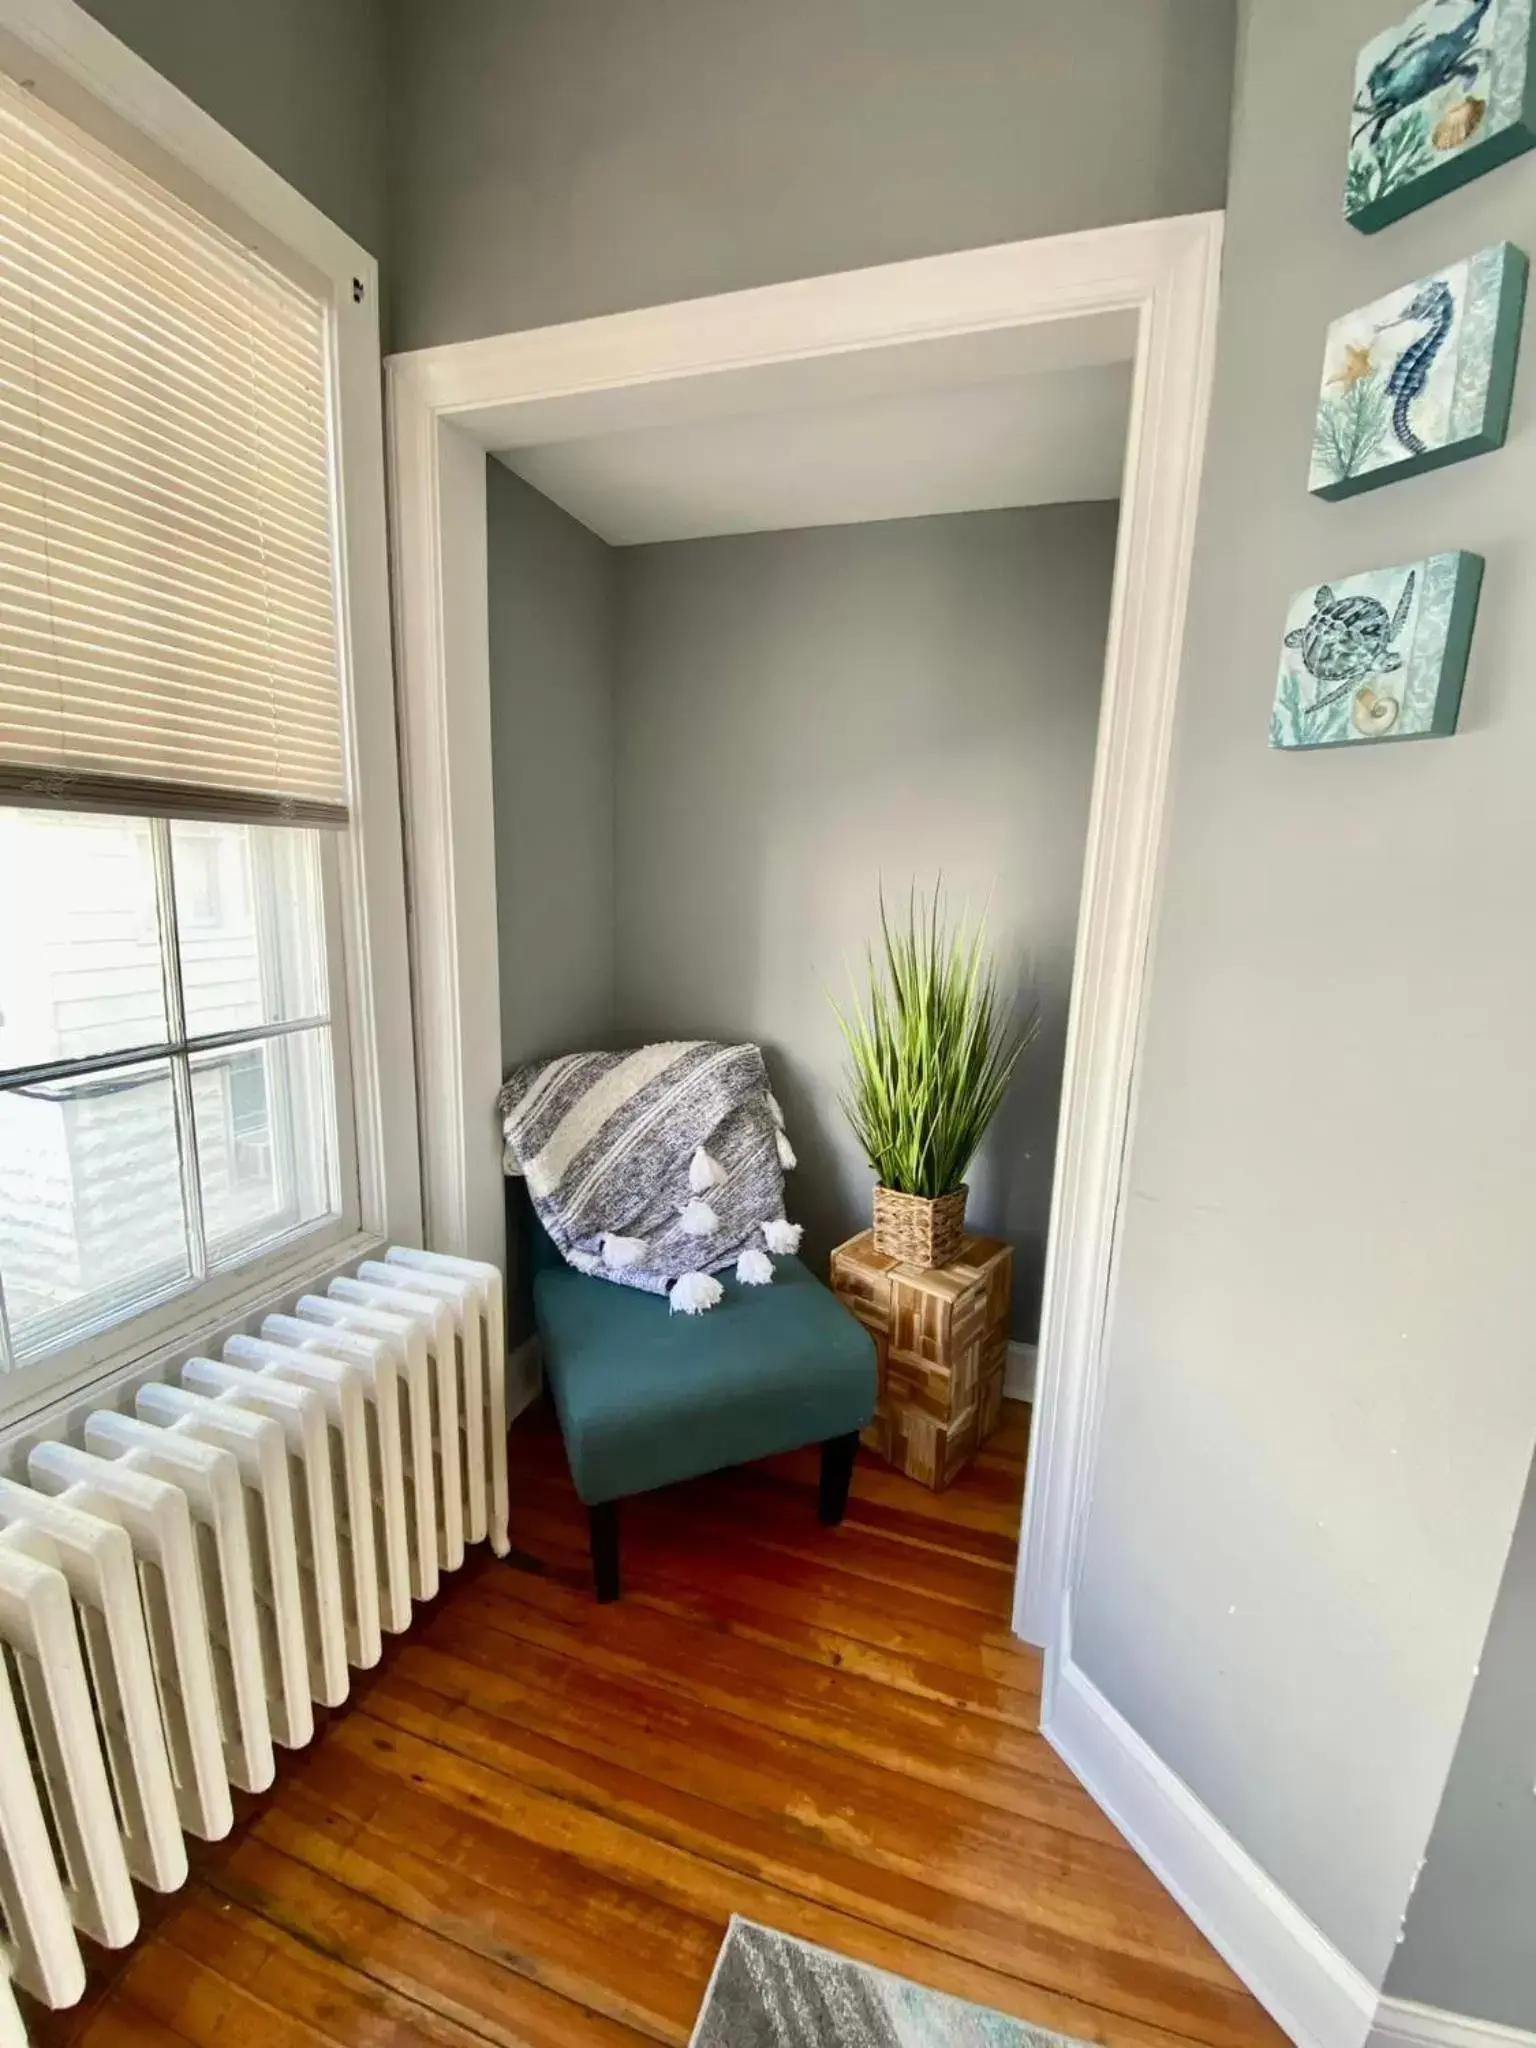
(168, 636)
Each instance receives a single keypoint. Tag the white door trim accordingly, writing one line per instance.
(447, 405)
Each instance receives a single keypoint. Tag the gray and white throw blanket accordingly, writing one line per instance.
(658, 1168)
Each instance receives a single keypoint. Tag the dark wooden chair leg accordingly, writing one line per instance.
(603, 1525)
(837, 1456)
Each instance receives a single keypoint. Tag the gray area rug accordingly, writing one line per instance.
(770, 1991)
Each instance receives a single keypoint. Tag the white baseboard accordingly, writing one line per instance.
(1400, 2023)
(1313, 1991)
(525, 1376)
(1019, 1372)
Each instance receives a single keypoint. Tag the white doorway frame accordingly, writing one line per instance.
(447, 406)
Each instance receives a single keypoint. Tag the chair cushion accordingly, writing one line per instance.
(646, 1397)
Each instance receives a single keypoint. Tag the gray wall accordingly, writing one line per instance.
(1470, 1944)
(552, 756)
(556, 158)
(803, 713)
(1320, 1407)
(301, 82)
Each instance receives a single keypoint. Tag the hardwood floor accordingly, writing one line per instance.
(532, 1823)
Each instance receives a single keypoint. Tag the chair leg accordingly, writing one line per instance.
(837, 1456)
(603, 1526)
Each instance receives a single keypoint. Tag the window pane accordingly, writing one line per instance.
(80, 964)
(91, 1219)
(266, 1152)
(249, 917)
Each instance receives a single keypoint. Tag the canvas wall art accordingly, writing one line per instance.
(1440, 97)
(1377, 656)
(1421, 377)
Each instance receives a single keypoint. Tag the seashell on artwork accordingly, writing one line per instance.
(1374, 714)
(1458, 124)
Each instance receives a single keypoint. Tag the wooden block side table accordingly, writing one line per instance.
(942, 1339)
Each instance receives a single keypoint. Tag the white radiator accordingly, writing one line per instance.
(178, 1588)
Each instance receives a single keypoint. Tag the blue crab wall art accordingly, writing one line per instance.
(1440, 98)
(1377, 656)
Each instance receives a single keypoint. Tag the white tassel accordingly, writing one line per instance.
(787, 1157)
(704, 1173)
(699, 1220)
(774, 1110)
(694, 1293)
(620, 1253)
(782, 1237)
(585, 1262)
(755, 1269)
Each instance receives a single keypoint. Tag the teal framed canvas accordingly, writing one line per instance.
(1377, 656)
(1421, 377)
(1441, 97)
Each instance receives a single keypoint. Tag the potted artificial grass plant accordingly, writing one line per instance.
(931, 1050)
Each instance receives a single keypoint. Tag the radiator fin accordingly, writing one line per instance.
(257, 1445)
(210, 1479)
(434, 1319)
(306, 1431)
(41, 1653)
(96, 1558)
(418, 1456)
(158, 1521)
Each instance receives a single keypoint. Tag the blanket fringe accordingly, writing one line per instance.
(782, 1237)
(704, 1173)
(694, 1293)
(620, 1253)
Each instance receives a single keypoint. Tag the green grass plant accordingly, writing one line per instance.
(932, 1046)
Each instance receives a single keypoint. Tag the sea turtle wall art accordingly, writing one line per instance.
(1441, 97)
(1377, 656)
(1421, 377)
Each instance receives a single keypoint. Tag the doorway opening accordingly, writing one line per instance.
(803, 443)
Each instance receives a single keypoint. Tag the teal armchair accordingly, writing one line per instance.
(646, 1397)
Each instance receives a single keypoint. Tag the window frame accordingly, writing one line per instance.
(181, 1050)
(78, 67)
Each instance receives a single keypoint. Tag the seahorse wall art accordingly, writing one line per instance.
(1421, 377)
(1442, 97)
(1377, 656)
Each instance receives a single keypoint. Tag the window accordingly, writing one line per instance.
(182, 861)
(167, 1094)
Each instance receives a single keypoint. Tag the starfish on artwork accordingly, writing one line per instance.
(1357, 364)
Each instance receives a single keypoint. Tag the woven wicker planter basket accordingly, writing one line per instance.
(919, 1230)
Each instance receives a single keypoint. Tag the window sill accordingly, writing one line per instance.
(37, 1402)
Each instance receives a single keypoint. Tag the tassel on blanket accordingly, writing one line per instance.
(774, 1110)
(754, 1269)
(694, 1293)
(619, 1253)
(782, 1237)
(786, 1153)
(704, 1173)
(699, 1220)
(586, 1262)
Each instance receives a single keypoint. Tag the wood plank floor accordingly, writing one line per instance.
(532, 1823)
